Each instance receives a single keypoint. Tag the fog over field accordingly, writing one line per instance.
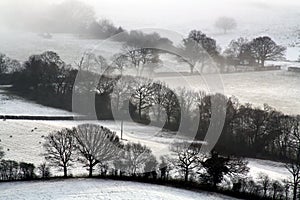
(135, 14)
(201, 95)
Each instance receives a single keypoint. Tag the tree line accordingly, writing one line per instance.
(103, 154)
(250, 131)
(64, 18)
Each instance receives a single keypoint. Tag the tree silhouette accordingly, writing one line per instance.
(226, 24)
(59, 148)
(264, 48)
(96, 144)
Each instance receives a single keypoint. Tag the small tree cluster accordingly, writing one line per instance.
(136, 159)
(92, 143)
(11, 170)
(257, 51)
(198, 49)
(212, 169)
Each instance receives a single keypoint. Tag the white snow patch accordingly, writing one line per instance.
(93, 189)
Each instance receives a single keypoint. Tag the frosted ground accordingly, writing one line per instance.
(23, 141)
(14, 105)
(280, 89)
(92, 189)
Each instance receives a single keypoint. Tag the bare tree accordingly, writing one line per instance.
(277, 189)
(93, 63)
(59, 148)
(265, 182)
(160, 90)
(294, 170)
(197, 49)
(44, 170)
(165, 102)
(135, 156)
(122, 91)
(226, 24)
(96, 144)
(171, 106)
(143, 96)
(236, 52)
(264, 48)
(188, 157)
(294, 165)
(120, 62)
(139, 57)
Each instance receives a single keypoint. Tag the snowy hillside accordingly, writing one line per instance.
(279, 89)
(92, 189)
(23, 140)
(14, 105)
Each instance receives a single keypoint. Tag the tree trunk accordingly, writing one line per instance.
(274, 195)
(192, 68)
(91, 170)
(262, 62)
(295, 192)
(65, 171)
(186, 177)
(158, 114)
(140, 108)
(215, 185)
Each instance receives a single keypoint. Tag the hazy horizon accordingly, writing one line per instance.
(167, 14)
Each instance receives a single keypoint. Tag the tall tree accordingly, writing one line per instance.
(135, 156)
(96, 144)
(265, 182)
(293, 166)
(59, 148)
(197, 49)
(143, 96)
(264, 48)
(120, 62)
(122, 91)
(238, 52)
(188, 158)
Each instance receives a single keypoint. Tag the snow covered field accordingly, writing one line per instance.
(23, 140)
(92, 189)
(13, 105)
(20, 45)
(279, 89)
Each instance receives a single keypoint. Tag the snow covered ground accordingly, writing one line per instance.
(14, 105)
(92, 189)
(279, 89)
(21, 45)
(23, 140)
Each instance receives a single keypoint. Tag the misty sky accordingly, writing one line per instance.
(177, 15)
